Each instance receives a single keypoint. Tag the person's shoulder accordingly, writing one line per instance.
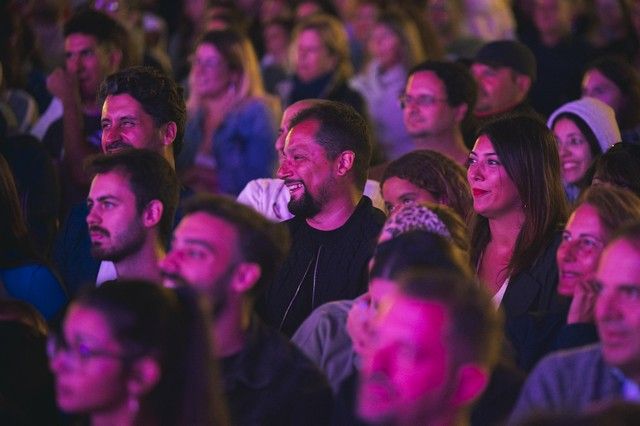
(282, 352)
(374, 216)
(571, 362)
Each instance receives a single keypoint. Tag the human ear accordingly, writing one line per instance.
(472, 380)
(460, 112)
(245, 277)
(152, 213)
(524, 83)
(144, 375)
(346, 160)
(169, 132)
(115, 59)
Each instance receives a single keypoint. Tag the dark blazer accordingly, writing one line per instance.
(534, 311)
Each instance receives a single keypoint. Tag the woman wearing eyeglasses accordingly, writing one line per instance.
(231, 121)
(600, 212)
(135, 353)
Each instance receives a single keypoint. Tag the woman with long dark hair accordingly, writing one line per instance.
(514, 174)
(23, 274)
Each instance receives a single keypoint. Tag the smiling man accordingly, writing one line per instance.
(132, 202)
(324, 163)
(142, 109)
(572, 381)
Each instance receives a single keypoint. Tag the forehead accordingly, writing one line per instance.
(585, 217)
(422, 322)
(203, 227)
(565, 125)
(483, 145)
(293, 110)
(425, 81)
(619, 264)
(114, 183)
(304, 135)
(479, 68)
(123, 104)
(79, 41)
(594, 76)
(382, 28)
(207, 49)
(310, 37)
(86, 322)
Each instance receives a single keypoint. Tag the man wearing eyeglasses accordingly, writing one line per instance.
(437, 98)
(574, 380)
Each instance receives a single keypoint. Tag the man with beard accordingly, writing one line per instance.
(132, 202)
(141, 109)
(436, 342)
(324, 163)
(229, 254)
(270, 196)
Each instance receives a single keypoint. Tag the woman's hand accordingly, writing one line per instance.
(583, 303)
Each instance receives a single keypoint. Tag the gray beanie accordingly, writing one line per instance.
(599, 116)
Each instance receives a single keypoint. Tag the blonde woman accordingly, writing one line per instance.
(231, 122)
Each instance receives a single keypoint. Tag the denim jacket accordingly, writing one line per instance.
(242, 148)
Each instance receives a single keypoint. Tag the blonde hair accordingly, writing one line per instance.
(334, 37)
(413, 51)
(241, 58)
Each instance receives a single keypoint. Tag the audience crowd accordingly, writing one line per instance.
(319, 212)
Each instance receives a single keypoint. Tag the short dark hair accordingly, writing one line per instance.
(619, 166)
(97, 24)
(476, 332)
(458, 82)
(150, 177)
(342, 128)
(445, 179)
(627, 80)
(158, 94)
(260, 240)
(629, 232)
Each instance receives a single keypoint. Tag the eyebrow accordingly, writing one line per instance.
(200, 243)
(486, 154)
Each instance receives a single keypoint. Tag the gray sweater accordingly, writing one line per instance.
(568, 381)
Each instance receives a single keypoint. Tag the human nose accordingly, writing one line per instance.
(377, 360)
(110, 133)
(475, 172)
(73, 63)
(93, 218)
(170, 262)
(607, 307)
(284, 170)
(568, 250)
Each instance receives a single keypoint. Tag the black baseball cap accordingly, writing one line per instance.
(508, 53)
